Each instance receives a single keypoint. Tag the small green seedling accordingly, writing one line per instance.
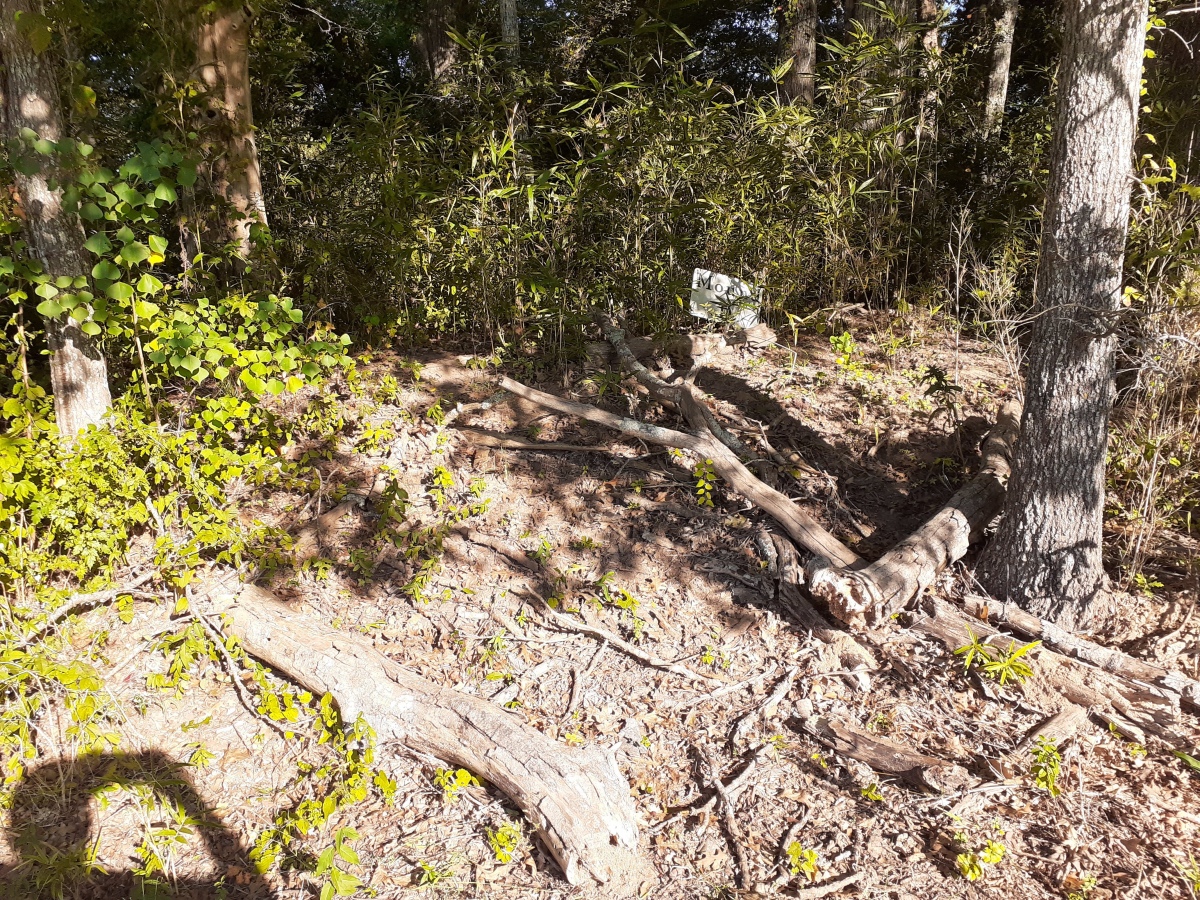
(503, 841)
(1047, 764)
(452, 781)
(802, 861)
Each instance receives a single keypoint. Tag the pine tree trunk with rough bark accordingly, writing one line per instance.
(78, 372)
(223, 65)
(510, 29)
(1046, 555)
(997, 86)
(799, 30)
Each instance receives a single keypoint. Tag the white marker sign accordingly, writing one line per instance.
(726, 299)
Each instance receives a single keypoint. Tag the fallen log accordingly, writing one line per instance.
(575, 799)
(1057, 729)
(1069, 644)
(801, 527)
(917, 769)
(868, 596)
(1129, 706)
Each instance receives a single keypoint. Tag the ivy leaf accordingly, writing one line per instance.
(46, 289)
(165, 192)
(90, 328)
(148, 284)
(125, 235)
(134, 252)
(91, 212)
(119, 291)
(36, 29)
(275, 387)
(105, 271)
(187, 174)
(49, 308)
(98, 243)
(83, 98)
(7, 266)
(158, 243)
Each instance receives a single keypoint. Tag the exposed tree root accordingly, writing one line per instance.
(576, 799)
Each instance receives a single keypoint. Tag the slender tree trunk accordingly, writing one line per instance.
(223, 64)
(1047, 553)
(931, 41)
(1002, 45)
(78, 372)
(510, 29)
(433, 43)
(799, 31)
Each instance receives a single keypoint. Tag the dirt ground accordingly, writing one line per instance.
(874, 457)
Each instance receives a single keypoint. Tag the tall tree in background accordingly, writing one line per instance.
(510, 29)
(78, 372)
(1047, 552)
(1002, 45)
(798, 29)
(223, 66)
(433, 43)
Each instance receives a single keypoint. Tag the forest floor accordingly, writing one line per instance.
(623, 544)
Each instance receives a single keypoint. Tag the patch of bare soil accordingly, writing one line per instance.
(619, 542)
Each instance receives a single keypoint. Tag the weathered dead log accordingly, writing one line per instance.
(600, 354)
(790, 575)
(1106, 658)
(576, 799)
(1131, 707)
(320, 529)
(871, 595)
(507, 442)
(801, 527)
(925, 772)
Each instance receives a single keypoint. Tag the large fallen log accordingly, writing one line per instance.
(575, 799)
(1133, 708)
(868, 596)
(1069, 644)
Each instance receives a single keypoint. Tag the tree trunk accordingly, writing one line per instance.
(799, 30)
(433, 43)
(223, 64)
(510, 29)
(78, 372)
(1046, 555)
(931, 41)
(997, 88)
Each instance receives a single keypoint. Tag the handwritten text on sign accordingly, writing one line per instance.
(726, 299)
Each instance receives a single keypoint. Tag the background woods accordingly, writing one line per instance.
(304, 307)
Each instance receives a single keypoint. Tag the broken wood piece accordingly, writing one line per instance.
(575, 798)
(1057, 729)
(1069, 644)
(871, 595)
(830, 887)
(319, 530)
(801, 527)
(921, 771)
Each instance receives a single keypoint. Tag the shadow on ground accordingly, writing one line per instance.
(51, 832)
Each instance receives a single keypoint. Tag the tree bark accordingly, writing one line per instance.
(1046, 555)
(1002, 45)
(576, 799)
(799, 31)
(434, 46)
(510, 29)
(30, 100)
(223, 65)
